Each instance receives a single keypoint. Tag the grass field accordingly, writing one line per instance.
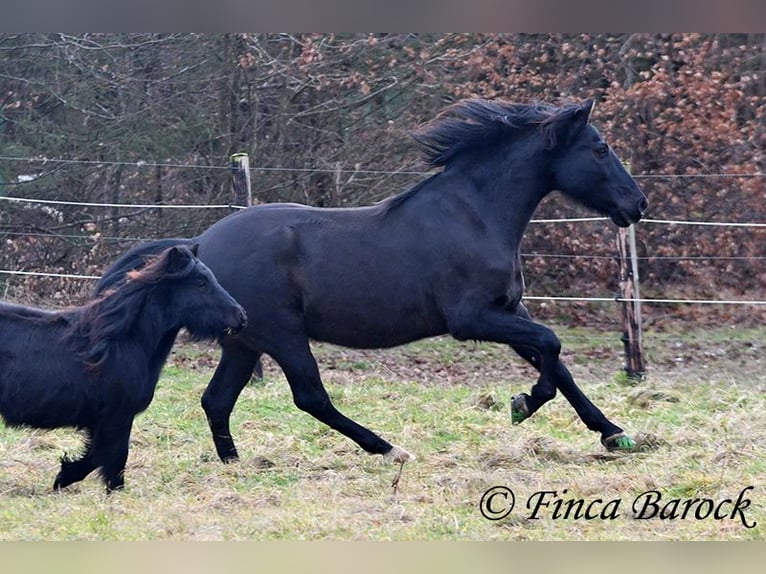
(700, 416)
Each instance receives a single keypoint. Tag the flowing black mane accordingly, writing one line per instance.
(476, 124)
(98, 324)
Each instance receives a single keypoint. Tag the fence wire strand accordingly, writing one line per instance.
(142, 164)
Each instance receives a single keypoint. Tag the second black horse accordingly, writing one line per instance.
(95, 367)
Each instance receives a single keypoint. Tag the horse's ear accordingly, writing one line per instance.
(589, 105)
(178, 259)
(571, 121)
(583, 112)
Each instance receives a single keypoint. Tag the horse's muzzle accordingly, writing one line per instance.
(239, 323)
(626, 217)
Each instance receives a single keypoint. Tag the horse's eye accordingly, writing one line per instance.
(201, 282)
(602, 150)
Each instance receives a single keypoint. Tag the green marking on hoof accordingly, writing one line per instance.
(519, 410)
(619, 442)
(625, 443)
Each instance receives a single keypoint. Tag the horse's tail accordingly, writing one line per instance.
(134, 258)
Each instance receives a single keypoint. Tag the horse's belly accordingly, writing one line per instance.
(371, 326)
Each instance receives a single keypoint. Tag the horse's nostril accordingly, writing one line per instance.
(643, 205)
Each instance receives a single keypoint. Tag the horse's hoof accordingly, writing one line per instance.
(398, 455)
(519, 409)
(619, 442)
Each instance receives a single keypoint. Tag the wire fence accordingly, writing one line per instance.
(229, 207)
(319, 169)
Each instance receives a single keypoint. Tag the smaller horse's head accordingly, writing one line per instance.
(191, 295)
(586, 169)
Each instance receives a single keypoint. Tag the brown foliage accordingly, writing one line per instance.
(325, 117)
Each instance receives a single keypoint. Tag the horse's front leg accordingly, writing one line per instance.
(541, 347)
(523, 405)
(74, 470)
(612, 436)
(112, 452)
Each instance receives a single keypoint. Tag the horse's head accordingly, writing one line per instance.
(192, 297)
(586, 169)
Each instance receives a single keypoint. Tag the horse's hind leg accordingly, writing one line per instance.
(232, 374)
(309, 395)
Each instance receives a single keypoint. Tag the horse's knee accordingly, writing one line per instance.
(214, 408)
(311, 403)
(549, 344)
(544, 392)
(208, 405)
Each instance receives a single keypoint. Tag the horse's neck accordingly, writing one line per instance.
(157, 345)
(504, 199)
(154, 337)
(162, 350)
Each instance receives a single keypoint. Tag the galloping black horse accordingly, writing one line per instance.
(95, 367)
(439, 258)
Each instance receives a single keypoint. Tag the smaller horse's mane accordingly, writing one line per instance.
(476, 124)
(96, 325)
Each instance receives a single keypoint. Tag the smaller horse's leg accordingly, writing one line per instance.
(309, 395)
(74, 470)
(113, 453)
(232, 374)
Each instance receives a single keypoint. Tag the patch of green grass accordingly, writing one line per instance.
(701, 421)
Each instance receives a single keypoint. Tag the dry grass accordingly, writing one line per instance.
(701, 415)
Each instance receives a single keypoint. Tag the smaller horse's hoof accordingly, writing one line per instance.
(398, 455)
(519, 409)
(618, 442)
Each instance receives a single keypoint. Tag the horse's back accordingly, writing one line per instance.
(22, 312)
(38, 375)
(346, 271)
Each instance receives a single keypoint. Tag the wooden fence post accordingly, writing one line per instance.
(240, 180)
(632, 336)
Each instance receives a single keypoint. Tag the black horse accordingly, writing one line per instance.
(439, 258)
(96, 367)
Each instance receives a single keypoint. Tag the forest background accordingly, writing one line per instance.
(152, 119)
